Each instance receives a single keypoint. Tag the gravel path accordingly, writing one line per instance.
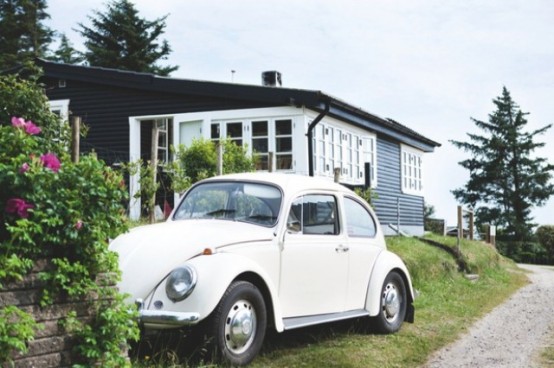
(512, 333)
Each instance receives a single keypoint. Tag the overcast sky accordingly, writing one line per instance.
(429, 64)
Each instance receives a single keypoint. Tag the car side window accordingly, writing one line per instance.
(314, 214)
(359, 221)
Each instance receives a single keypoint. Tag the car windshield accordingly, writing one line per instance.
(238, 201)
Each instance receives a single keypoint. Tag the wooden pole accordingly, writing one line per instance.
(336, 172)
(471, 224)
(219, 159)
(75, 138)
(270, 163)
(154, 165)
(460, 227)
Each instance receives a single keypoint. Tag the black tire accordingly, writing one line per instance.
(238, 324)
(393, 305)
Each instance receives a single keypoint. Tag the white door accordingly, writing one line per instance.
(314, 260)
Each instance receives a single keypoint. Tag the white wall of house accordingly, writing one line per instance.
(281, 130)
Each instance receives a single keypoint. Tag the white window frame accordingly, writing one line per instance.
(411, 170)
(62, 106)
(369, 154)
(338, 146)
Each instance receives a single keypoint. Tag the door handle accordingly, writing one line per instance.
(341, 248)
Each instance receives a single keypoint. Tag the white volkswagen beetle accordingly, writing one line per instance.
(243, 252)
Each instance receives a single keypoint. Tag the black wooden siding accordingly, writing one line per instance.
(106, 111)
(389, 189)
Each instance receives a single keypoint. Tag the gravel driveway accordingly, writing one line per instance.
(512, 333)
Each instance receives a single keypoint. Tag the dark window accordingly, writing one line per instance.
(316, 214)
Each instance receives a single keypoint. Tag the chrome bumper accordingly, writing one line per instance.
(166, 318)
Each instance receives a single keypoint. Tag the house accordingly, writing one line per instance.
(306, 131)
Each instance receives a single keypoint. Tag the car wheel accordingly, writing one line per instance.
(238, 324)
(392, 306)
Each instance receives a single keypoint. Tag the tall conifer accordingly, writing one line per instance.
(120, 39)
(506, 179)
(23, 36)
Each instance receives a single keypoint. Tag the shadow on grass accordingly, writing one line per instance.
(191, 348)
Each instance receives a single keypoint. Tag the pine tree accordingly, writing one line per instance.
(66, 53)
(23, 36)
(506, 181)
(120, 39)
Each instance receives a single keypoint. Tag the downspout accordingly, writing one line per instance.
(310, 141)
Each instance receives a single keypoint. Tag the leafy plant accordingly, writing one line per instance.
(51, 208)
(199, 161)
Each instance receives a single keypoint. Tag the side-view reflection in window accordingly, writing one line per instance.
(314, 214)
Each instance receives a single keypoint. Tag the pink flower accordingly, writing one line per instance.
(29, 126)
(18, 122)
(79, 225)
(50, 161)
(24, 168)
(18, 206)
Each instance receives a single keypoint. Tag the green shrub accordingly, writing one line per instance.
(51, 208)
(545, 236)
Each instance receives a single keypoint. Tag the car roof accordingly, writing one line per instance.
(288, 182)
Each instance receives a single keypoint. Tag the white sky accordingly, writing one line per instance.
(428, 64)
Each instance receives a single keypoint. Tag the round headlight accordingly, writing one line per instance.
(180, 283)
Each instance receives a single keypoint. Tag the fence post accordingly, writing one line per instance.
(270, 164)
(154, 165)
(75, 138)
(219, 159)
(471, 224)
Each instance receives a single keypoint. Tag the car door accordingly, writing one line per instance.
(364, 247)
(314, 258)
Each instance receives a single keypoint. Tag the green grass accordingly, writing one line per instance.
(546, 358)
(447, 305)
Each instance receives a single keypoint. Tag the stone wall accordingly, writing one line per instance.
(52, 346)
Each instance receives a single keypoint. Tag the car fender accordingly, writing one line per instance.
(385, 263)
(214, 275)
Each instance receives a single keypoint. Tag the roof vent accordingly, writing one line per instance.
(271, 79)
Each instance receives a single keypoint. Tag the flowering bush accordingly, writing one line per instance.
(52, 208)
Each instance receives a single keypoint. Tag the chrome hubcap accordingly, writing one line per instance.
(391, 302)
(240, 327)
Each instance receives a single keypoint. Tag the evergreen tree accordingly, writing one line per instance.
(120, 39)
(66, 53)
(505, 180)
(23, 36)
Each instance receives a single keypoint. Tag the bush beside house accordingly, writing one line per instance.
(60, 215)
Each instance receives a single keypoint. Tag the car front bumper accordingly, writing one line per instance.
(167, 319)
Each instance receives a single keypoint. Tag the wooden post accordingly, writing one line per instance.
(336, 172)
(270, 163)
(154, 165)
(219, 159)
(460, 227)
(75, 138)
(471, 225)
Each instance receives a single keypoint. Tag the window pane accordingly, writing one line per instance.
(259, 128)
(283, 127)
(214, 131)
(319, 215)
(284, 162)
(234, 130)
(259, 145)
(359, 221)
(283, 144)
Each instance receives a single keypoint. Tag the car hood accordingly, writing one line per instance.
(148, 253)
